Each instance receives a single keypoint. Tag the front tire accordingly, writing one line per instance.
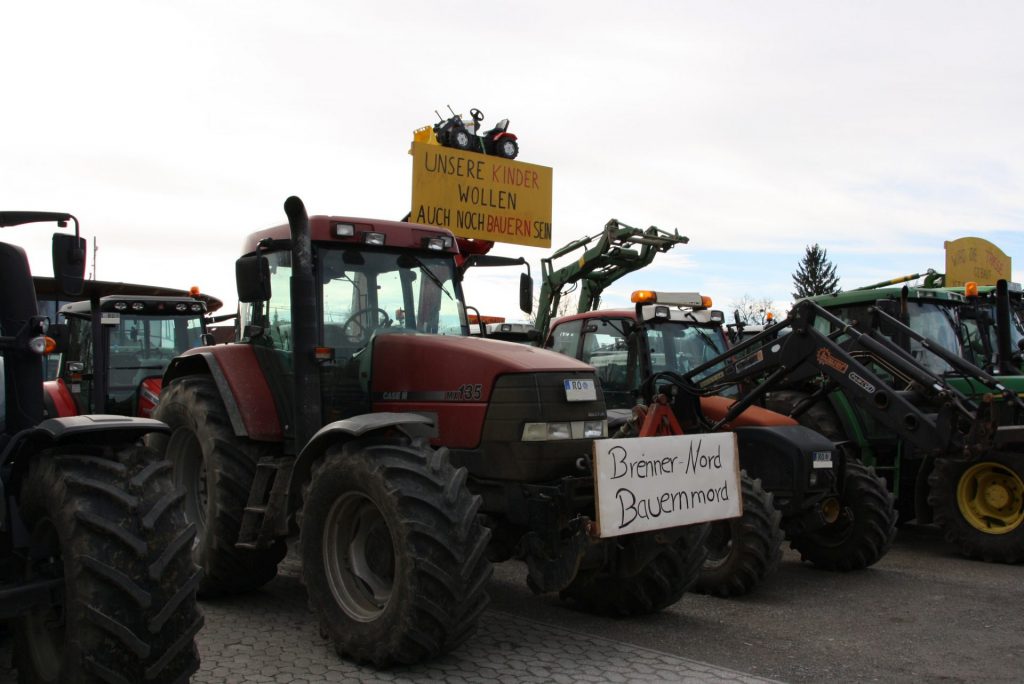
(658, 585)
(109, 520)
(865, 529)
(743, 551)
(980, 505)
(393, 556)
(217, 469)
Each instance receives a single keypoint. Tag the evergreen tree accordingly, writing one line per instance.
(815, 275)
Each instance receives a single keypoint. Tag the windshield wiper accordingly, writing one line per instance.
(430, 274)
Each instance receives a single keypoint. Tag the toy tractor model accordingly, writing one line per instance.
(948, 435)
(795, 483)
(96, 574)
(454, 132)
(118, 348)
(410, 455)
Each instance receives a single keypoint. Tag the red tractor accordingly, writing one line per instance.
(119, 345)
(409, 454)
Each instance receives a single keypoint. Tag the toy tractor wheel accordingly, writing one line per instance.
(216, 469)
(658, 585)
(507, 148)
(979, 505)
(864, 530)
(393, 556)
(743, 551)
(461, 139)
(108, 519)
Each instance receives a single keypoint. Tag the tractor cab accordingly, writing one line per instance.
(675, 332)
(139, 336)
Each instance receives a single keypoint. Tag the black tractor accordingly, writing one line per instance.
(96, 573)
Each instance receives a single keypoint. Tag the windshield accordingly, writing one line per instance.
(680, 347)
(142, 346)
(364, 291)
(937, 323)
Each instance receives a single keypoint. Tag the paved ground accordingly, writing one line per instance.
(922, 614)
(271, 637)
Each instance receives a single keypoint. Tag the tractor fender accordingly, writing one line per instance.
(241, 383)
(341, 431)
(91, 429)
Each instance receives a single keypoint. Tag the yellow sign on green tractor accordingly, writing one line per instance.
(972, 259)
(481, 196)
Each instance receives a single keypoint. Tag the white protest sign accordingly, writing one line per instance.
(651, 483)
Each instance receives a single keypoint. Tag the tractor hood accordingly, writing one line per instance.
(438, 364)
(456, 380)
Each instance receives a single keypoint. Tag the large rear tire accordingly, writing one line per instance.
(216, 468)
(979, 505)
(393, 556)
(658, 585)
(110, 522)
(865, 529)
(743, 551)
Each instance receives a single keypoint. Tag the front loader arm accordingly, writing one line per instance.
(773, 360)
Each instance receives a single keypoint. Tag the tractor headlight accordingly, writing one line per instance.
(595, 429)
(37, 345)
(577, 429)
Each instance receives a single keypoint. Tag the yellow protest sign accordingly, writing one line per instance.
(481, 196)
(973, 259)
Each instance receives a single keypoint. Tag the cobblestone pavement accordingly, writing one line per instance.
(271, 637)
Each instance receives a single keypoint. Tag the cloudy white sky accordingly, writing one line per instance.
(172, 129)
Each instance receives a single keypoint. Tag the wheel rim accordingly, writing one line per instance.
(359, 556)
(45, 627)
(509, 149)
(991, 498)
(186, 454)
(718, 544)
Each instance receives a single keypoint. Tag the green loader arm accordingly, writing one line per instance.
(617, 251)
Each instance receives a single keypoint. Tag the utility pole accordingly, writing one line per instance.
(95, 248)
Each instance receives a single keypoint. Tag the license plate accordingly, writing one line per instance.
(822, 459)
(580, 390)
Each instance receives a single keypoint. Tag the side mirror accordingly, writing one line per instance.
(69, 263)
(526, 293)
(252, 278)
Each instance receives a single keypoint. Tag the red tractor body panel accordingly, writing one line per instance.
(452, 378)
(248, 386)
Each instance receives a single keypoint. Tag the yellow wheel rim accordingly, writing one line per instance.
(991, 498)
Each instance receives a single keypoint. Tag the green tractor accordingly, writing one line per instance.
(972, 487)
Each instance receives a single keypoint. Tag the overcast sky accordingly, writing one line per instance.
(876, 129)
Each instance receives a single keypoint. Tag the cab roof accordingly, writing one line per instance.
(868, 296)
(401, 234)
